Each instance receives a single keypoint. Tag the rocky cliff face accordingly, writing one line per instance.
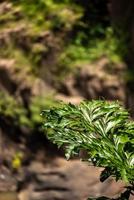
(36, 70)
(97, 80)
(32, 52)
(123, 20)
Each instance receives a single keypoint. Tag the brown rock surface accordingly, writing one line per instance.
(66, 180)
(98, 80)
(20, 82)
(57, 180)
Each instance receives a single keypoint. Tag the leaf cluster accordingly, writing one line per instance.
(102, 128)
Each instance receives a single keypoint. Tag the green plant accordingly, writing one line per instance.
(103, 129)
(37, 104)
(50, 14)
(77, 53)
(10, 108)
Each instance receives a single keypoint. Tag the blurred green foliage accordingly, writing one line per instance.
(83, 28)
(50, 14)
(37, 104)
(84, 35)
(9, 108)
(12, 109)
(76, 53)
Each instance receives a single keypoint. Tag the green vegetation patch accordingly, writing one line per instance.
(37, 105)
(10, 108)
(84, 35)
(102, 129)
(76, 53)
(50, 14)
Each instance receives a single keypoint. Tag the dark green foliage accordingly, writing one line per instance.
(101, 128)
(11, 109)
(96, 17)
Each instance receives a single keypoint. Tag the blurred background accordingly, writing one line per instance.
(51, 51)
